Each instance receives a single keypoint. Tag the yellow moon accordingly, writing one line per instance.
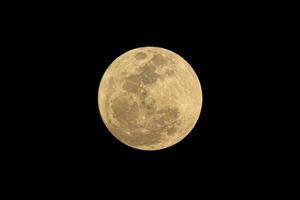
(150, 98)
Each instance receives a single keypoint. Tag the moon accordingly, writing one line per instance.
(150, 98)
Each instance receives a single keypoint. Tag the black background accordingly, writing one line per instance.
(67, 52)
(89, 48)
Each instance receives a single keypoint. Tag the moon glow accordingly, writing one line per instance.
(150, 98)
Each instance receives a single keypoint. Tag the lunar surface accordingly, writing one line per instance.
(150, 98)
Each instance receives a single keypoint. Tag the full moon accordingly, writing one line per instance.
(150, 98)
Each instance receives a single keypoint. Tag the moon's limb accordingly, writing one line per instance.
(150, 98)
